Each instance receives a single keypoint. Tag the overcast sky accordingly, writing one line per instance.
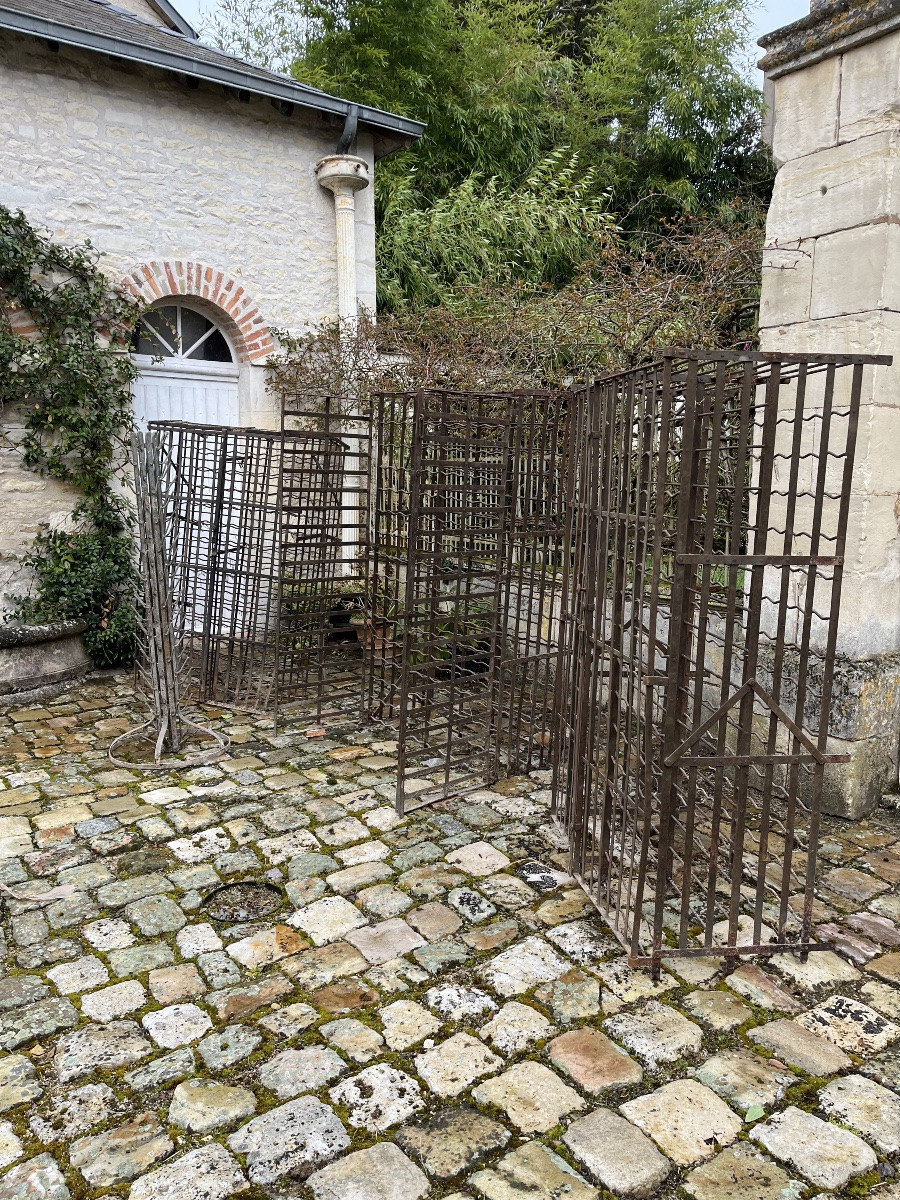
(771, 14)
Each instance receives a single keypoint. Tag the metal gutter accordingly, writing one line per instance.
(272, 87)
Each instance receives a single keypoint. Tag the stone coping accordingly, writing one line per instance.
(831, 28)
(32, 635)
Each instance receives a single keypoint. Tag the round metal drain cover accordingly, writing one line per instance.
(243, 901)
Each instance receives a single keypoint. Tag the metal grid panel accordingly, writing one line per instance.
(222, 518)
(324, 531)
(466, 571)
(709, 515)
(266, 537)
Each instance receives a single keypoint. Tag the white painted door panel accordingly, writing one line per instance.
(205, 397)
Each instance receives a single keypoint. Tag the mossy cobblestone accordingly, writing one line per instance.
(423, 985)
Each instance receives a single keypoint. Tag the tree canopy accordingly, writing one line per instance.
(550, 123)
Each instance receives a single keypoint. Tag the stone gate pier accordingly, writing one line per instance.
(831, 283)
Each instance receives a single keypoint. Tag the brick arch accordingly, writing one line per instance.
(235, 311)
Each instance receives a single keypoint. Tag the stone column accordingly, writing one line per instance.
(831, 283)
(344, 175)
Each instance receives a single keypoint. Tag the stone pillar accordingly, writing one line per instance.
(344, 175)
(831, 283)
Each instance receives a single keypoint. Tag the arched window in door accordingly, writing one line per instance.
(187, 368)
(174, 330)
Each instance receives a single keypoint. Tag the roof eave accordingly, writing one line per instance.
(229, 76)
(171, 14)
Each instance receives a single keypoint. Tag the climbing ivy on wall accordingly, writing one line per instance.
(64, 366)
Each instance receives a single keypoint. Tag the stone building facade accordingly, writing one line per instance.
(194, 175)
(831, 283)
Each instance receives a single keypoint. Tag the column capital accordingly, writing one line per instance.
(342, 173)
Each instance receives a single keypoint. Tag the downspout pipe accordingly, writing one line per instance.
(347, 141)
(344, 174)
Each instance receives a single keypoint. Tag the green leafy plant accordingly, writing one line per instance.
(64, 368)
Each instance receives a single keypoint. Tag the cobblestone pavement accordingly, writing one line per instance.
(433, 1009)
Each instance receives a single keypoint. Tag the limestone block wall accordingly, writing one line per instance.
(831, 283)
(153, 171)
(150, 169)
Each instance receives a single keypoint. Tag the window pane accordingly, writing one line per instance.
(214, 349)
(157, 332)
(165, 323)
(193, 327)
(161, 321)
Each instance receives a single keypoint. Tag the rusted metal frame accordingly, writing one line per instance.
(585, 576)
(777, 669)
(472, 540)
(567, 771)
(242, 554)
(587, 698)
(534, 497)
(373, 568)
(609, 546)
(569, 473)
(751, 643)
(740, 495)
(803, 650)
(631, 661)
(604, 439)
(619, 747)
(424, 613)
(649, 796)
(549, 600)
(612, 452)
(680, 647)
(740, 951)
(373, 662)
(464, 550)
(571, 648)
(513, 558)
(543, 545)
(815, 806)
(559, 437)
(761, 560)
(510, 453)
(713, 431)
(749, 760)
(648, 644)
(243, 551)
(778, 714)
(233, 561)
(702, 504)
(414, 522)
(262, 466)
(776, 357)
(207, 653)
(637, 658)
(517, 549)
(315, 556)
(469, 546)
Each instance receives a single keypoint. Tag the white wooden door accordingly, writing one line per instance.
(183, 390)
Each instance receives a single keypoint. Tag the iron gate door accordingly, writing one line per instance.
(709, 504)
(467, 571)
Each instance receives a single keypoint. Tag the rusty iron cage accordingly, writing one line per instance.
(708, 501)
(266, 538)
(633, 586)
(324, 530)
(466, 571)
